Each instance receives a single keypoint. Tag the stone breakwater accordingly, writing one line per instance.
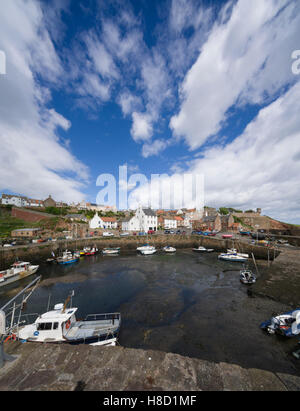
(42, 251)
(42, 367)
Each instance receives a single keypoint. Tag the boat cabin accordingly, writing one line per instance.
(50, 326)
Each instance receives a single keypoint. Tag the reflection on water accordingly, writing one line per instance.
(187, 303)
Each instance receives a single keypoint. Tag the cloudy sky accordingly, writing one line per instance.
(162, 86)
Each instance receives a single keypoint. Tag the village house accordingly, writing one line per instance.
(15, 200)
(227, 222)
(103, 222)
(179, 220)
(49, 202)
(25, 232)
(130, 223)
(145, 219)
(209, 223)
(35, 203)
(77, 217)
(167, 222)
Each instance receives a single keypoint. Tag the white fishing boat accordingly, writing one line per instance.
(144, 247)
(111, 251)
(61, 326)
(231, 257)
(18, 271)
(169, 249)
(202, 249)
(234, 251)
(148, 250)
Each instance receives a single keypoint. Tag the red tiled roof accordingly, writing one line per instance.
(107, 219)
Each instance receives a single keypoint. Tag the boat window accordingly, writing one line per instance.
(44, 326)
(55, 326)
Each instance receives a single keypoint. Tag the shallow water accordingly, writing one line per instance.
(186, 303)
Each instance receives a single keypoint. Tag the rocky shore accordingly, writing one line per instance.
(281, 280)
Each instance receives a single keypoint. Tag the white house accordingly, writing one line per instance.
(18, 201)
(144, 219)
(147, 219)
(167, 222)
(131, 224)
(103, 222)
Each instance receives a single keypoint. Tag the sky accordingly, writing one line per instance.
(164, 87)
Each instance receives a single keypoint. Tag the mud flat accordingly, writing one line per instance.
(42, 367)
(281, 281)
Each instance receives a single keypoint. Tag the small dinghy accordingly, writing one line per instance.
(111, 251)
(247, 277)
(169, 249)
(287, 324)
(201, 249)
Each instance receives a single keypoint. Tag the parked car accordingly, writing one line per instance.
(167, 231)
(124, 234)
(142, 233)
(7, 245)
(151, 231)
(107, 234)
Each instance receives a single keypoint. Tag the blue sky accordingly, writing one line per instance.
(169, 86)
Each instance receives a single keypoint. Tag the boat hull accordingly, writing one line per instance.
(74, 260)
(18, 277)
(237, 259)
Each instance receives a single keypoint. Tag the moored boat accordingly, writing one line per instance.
(68, 258)
(202, 249)
(61, 326)
(147, 250)
(247, 277)
(234, 251)
(169, 249)
(287, 324)
(18, 271)
(90, 251)
(111, 251)
(231, 257)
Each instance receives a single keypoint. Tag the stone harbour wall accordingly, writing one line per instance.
(46, 367)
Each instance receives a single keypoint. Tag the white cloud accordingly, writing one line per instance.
(129, 102)
(33, 161)
(141, 127)
(260, 168)
(245, 59)
(150, 149)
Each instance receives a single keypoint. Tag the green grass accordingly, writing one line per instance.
(8, 224)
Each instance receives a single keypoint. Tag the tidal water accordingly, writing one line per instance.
(187, 303)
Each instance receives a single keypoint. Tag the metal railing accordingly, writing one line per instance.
(106, 316)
